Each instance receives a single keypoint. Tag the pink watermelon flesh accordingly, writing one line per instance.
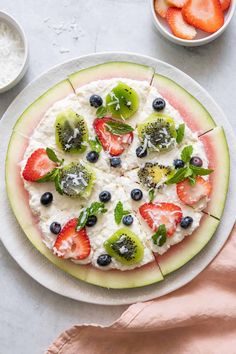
(216, 148)
(35, 112)
(192, 111)
(111, 70)
(179, 254)
(19, 201)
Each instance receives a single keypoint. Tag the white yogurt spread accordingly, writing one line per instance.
(119, 181)
(11, 53)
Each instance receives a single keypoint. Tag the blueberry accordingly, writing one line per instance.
(136, 194)
(128, 220)
(186, 222)
(46, 198)
(103, 260)
(196, 161)
(115, 162)
(140, 152)
(105, 196)
(96, 101)
(158, 104)
(179, 163)
(92, 156)
(55, 228)
(91, 221)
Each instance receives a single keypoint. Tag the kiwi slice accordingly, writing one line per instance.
(125, 247)
(157, 132)
(122, 101)
(77, 180)
(153, 175)
(71, 132)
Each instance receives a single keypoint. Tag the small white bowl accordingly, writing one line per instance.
(202, 37)
(13, 23)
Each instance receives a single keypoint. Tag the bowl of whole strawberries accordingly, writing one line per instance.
(192, 22)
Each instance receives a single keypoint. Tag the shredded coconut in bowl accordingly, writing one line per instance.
(11, 53)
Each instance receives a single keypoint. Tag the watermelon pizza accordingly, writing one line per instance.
(117, 175)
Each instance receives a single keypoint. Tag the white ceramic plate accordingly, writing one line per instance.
(37, 266)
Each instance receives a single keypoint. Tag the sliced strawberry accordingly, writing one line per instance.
(206, 15)
(38, 165)
(189, 194)
(156, 214)
(225, 4)
(179, 27)
(177, 3)
(114, 144)
(71, 243)
(161, 7)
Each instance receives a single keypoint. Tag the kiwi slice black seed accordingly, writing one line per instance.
(157, 132)
(153, 175)
(125, 247)
(71, 132)
(122, 101)
(77, 180)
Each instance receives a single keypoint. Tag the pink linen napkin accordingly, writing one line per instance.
(198, 318)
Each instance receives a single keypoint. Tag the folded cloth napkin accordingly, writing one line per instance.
(198, 318)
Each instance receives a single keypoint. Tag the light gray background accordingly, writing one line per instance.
(31, 316)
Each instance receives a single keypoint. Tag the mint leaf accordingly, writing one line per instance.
(178, 176)
(187, 153)
(57, 182)
(48, 177)
(199, 171)
(94, 209)
(151, 194)
(52, 156)
(82, 219)
(101, 112)
(119, 128)
(180, 133)
(119, 212)
(95, 145)
(159, 238)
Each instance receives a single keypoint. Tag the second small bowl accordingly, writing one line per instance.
(202, 37)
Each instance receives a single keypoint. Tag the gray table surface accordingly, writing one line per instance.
(30, 315)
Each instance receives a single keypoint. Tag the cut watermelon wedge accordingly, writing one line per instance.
(111, 70)
(217, 152)
(35, 112)
(179, 254)
(192, 111)
(19, 201)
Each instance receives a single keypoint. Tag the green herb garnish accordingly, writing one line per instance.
(159, 238)
(95, 144)
(151, 194)
(53, 157)
(119, 212)
(180, 133)
(118, 128)
(94, 209)
(189, 171)
(101, 112)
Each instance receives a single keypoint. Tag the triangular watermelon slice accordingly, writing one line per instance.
(111, 70)
(192, 111)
